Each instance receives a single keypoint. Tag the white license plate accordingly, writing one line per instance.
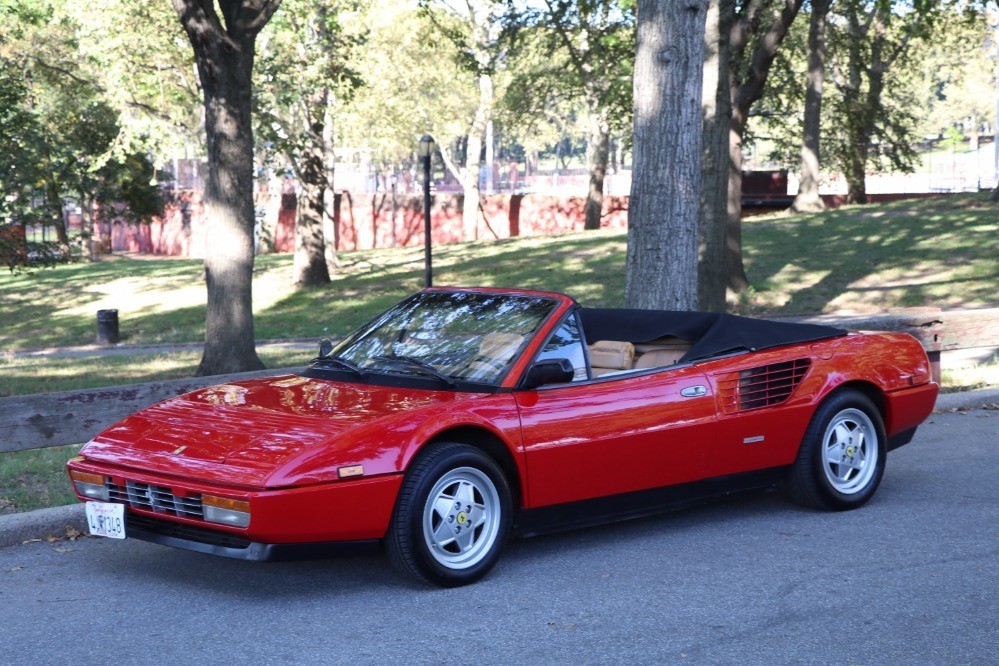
(106, 519)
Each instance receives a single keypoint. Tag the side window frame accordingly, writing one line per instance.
(572, 314)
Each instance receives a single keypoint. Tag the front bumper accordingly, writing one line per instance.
(287, 519)
(212, 542)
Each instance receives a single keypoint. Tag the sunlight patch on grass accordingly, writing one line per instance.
(791, 274)
(137, 295)
(972, 377)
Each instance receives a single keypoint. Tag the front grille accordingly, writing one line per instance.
(763, 386)
(182, 531)
(155, 498)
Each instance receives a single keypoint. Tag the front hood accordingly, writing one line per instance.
(239, 433)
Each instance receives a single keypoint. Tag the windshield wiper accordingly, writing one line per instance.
(417, 363)
(342, 362)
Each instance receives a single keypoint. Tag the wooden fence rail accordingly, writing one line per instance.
(937, 330)
(71, 417)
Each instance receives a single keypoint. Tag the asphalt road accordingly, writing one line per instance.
(912, 578)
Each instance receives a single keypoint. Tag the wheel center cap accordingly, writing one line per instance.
(462, 517)
(850, 451)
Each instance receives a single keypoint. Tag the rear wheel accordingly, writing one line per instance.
(452, 517)
(842, 455)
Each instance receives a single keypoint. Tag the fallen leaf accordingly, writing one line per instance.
(15, 569)
(73, 534)
(31, 541)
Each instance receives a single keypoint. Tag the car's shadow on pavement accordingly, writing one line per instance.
(646, 543)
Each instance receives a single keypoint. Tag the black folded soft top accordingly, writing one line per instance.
(710, 333)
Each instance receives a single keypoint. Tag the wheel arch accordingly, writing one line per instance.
(867, 389)
(490, 444)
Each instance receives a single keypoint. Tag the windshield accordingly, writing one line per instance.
(452, 335)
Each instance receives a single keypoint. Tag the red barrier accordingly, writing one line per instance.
(367, 221)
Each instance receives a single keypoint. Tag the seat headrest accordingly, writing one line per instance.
(612, 354)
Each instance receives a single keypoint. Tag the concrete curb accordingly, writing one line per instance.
(967, 400)
(17, 528)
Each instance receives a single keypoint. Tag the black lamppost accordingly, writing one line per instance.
(426, 153)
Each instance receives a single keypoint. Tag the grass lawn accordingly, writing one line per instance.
(941, 252)
(35, 479)
(163, 300)
(932, 252)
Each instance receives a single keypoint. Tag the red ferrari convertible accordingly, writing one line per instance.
(462, 416)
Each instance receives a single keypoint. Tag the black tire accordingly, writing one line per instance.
(848, 427)
(478, 524)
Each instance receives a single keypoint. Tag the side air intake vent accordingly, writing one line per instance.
(762, 387)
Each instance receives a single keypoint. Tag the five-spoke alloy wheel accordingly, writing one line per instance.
(452, 517)
(842, 455)
(850, 451)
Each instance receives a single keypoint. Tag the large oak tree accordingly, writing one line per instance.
(666, 182)
(808, 199)
(224, 48)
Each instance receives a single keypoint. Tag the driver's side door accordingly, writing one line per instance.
(594, 438)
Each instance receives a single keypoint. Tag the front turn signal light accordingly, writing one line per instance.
(89, 485)
(225, 510)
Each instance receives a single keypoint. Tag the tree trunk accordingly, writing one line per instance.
(734, 266)
(87, 226)
(717, 105)
(666, 182)
(744, 95)
(310, 248)
(272, 207)
(470, 185)
(224, 58)
(473, 159)
(808, 199)
(331, 217)
(54, 203)
(856, 172)
(862, 107)
(598, 149)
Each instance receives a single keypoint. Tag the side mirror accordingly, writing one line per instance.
(549, 371)
(325, 347)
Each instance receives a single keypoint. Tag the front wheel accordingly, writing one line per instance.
(452, 517)
(842, 455)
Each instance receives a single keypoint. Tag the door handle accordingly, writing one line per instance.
(694, 391)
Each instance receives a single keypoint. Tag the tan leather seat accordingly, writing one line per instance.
(611, 356)
(660, 353)
(495, 351)
(500, 347)
(658, 358)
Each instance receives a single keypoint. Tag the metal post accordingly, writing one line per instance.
(995, 129)
(426, 154)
